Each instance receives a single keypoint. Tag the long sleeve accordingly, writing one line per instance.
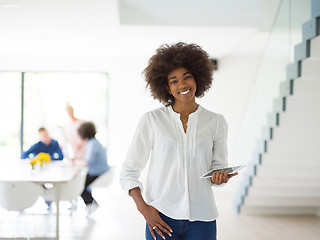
(53, 149)
(137, 156)
(96, 157)
(56, 150)
(176, 161)
(32, 149)
(219, 150)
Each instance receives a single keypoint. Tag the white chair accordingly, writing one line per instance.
(68, 191)
(104, 180)
(17, 196)
(99, 186)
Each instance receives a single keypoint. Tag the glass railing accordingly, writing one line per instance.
(279, 52)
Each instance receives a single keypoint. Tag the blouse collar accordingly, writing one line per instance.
(195, 113)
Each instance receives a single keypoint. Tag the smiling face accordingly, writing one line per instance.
(182, 85)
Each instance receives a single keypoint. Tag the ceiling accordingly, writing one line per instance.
(128, 27)
(214, 13)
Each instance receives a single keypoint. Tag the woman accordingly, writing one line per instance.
(182, 141)
(95, 159)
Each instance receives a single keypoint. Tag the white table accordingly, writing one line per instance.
(56, 173)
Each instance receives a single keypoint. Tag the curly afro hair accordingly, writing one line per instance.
(169, 57)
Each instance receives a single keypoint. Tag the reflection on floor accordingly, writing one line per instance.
(117, 219)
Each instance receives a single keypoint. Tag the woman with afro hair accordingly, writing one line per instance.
(181, 141)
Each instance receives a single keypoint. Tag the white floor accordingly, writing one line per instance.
(117, 219)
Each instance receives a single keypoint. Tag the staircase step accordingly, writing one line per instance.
(287, 145)
(273, 119)
(283, 210)
(301, 50)
(279, 104)
(299, 109)
(294, 159)
(298, 119)
(315, 47)
(274, 191)
(306, 86)
(286, 88)
(290, 137)
(287, 171)
(310, 67)
(286, 182)
(310, 29)
(315, 9)
(267, 133)
(297, 133)
(293, 70)
(309, 101)
(296, 101)
(282, 201)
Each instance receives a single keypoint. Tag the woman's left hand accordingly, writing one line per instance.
(220, 177)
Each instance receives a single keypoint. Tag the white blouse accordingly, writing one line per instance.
(177, 161)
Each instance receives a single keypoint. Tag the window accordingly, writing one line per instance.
(44, 103)
(10, 98)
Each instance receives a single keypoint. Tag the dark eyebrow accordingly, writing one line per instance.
(182, 74)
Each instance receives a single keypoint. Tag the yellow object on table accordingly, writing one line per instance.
(33, 162)
(41, 158)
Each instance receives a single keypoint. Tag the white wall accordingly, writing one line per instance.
(83, 36)
(129, 98)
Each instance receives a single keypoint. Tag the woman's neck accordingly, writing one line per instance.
(185, 108)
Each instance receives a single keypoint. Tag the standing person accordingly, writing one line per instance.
(95, 159)
(71, 134)
(182, 140)
(46, 145)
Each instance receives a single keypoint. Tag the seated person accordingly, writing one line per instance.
(95, 159)
(46, 145)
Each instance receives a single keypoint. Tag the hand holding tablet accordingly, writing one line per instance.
(229, 170)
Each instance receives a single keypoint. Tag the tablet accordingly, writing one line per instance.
(229, 170)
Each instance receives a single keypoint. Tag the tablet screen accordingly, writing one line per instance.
(229, 170)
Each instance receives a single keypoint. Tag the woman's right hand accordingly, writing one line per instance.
(154, 221)
(150, 214)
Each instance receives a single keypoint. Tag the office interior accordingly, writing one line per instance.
(91, 54)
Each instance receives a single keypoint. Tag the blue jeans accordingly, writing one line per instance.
(187, 230)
